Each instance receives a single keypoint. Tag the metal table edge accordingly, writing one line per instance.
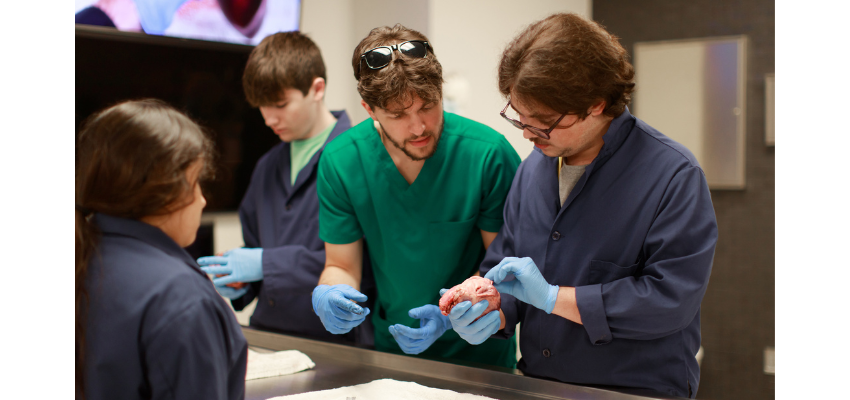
(508, 379)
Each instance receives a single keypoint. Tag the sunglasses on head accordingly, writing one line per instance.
(379, 57)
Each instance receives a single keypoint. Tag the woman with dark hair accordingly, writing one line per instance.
(149, 323)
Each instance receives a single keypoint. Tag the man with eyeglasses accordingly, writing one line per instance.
(422, 189)
(609, 227)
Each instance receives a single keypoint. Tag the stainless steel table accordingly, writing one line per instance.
(339, 365)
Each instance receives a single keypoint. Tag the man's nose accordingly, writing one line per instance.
(417, 126)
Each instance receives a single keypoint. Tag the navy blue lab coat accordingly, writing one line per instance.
(284, 220)
(156, 328)
(636, 237)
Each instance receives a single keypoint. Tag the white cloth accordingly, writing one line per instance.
(382, 389)
(265, 365)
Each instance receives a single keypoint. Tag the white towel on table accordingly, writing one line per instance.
(384, 389)
(265, 365)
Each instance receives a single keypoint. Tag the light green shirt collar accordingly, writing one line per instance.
(301, 151)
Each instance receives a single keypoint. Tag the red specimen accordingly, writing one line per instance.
(473, 289)
(245, 15)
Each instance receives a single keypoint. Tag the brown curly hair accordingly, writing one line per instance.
(404, 77)
(567, 63)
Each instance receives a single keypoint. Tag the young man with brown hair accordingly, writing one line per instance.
(283, 258)
(423, 188)
(613, 220)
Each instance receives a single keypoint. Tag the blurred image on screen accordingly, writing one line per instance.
(234, 21)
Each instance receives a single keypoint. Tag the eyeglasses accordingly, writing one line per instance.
(380, 56)
(544, 133)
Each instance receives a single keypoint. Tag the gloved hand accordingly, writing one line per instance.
(230, 292)
(464, 313)
(334, 307)
(432, 325)
(240, 265)
(529, 286)
(156, 15)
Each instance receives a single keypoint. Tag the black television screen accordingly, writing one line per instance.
(203, 79)
(233, 21)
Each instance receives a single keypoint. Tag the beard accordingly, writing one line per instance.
(403, 146)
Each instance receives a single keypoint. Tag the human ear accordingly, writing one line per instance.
(597, 108)
(318, 89)
(368, 110)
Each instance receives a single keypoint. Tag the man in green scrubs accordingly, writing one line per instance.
(423, 188)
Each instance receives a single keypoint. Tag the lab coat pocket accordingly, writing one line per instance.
(604, 272)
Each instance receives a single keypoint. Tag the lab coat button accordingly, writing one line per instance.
(271, 303)
(556, 235)
(546, 353)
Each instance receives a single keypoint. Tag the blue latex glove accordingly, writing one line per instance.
(334, 307)
(432, 325)
(240, 265)
(529, 286)
(156, 15)
(230, 292)
(464, 313)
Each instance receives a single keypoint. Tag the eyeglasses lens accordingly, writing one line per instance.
(511, 116)
(516, 123)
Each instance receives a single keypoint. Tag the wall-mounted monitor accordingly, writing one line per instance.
(201, 78)
(232, 21)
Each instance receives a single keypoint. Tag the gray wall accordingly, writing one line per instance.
(738, 309)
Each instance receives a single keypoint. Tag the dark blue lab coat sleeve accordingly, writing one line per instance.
(248, 218)
(185, 365)
(666, 296)
(277, 278)
(290, 268)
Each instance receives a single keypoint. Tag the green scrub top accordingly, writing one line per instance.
(423, 236)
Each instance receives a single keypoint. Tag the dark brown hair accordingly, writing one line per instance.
(285, 60)
(567, 63)
(132, 160)
(404, 77)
